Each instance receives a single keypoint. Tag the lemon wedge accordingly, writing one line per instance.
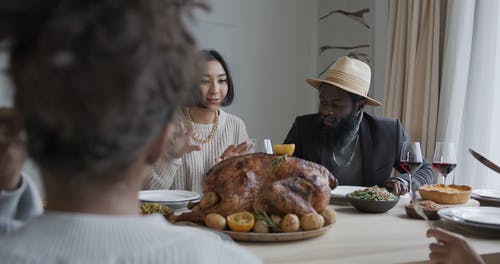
(241, 222)
(284, 149)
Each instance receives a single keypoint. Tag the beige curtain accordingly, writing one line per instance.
(413, 67)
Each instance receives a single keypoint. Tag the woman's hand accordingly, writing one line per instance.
(451, 248)
(233, 151)
(180, 143)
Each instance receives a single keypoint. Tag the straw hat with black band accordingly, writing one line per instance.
(350, 75)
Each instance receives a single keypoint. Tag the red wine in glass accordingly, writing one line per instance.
(444, 168)
(445, 159)
(410, 160)
(410, 166)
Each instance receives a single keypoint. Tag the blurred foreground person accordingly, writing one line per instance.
(19, 197)
(97, 83)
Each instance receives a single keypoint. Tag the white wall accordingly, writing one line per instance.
(271, 48)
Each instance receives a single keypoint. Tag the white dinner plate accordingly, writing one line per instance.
(445, 214)
(342, 190)
(172, 198)
(480, 215)
(487, 193)
(453, 215)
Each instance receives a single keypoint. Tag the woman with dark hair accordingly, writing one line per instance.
(212, 134)
(97, 82)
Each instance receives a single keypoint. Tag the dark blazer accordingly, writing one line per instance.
(380, 139)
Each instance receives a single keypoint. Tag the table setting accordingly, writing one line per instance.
(365, 224)
(393, 236)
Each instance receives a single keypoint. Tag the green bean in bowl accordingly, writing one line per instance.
(373, 200)
(373, 193)
(155, 208)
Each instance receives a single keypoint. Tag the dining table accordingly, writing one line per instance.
(358, 237)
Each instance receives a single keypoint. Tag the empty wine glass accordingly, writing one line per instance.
(260, 146)
(445, 159)
(410, 160)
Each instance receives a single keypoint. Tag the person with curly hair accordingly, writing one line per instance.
(97, 83)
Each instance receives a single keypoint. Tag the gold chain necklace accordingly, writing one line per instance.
(195, 136)
(350, 159)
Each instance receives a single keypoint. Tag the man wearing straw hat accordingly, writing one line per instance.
(358, 148)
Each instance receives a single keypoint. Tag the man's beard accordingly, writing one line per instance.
(342, 132)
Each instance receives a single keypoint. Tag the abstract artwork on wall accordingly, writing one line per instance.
(356, 50)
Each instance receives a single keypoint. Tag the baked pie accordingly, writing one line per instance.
(445, 194)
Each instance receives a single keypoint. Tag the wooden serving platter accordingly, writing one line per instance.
(276, 237)
(265, 237)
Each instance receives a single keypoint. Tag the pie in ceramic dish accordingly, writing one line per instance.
(445, 194)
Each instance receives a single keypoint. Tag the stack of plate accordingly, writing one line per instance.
(479, 218)
(488, 197)
(173, 198)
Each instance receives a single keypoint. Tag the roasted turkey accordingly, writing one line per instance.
(262, 182)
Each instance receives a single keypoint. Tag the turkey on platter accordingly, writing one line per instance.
(262, 182)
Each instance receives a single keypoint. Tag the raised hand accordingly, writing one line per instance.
(233, 150)
(180, 143)
(451, 248)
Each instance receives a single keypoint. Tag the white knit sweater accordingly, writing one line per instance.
(57, 237)
(188, 172)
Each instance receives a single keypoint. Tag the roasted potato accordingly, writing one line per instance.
(192, 204)
(311, 221)
(215, 221)
(276, 219)
(209, 199)
(172, 218)
(290, 223)
(329, 216)
(196, 208)
(260, 226)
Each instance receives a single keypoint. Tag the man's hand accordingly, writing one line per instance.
(451, 248)
(180, 143)
(12, 149)
(332, 181)
(233, 151)
(396, 187)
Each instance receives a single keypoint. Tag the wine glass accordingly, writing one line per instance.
(260, 146)
(410, 160)
(445, 159)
